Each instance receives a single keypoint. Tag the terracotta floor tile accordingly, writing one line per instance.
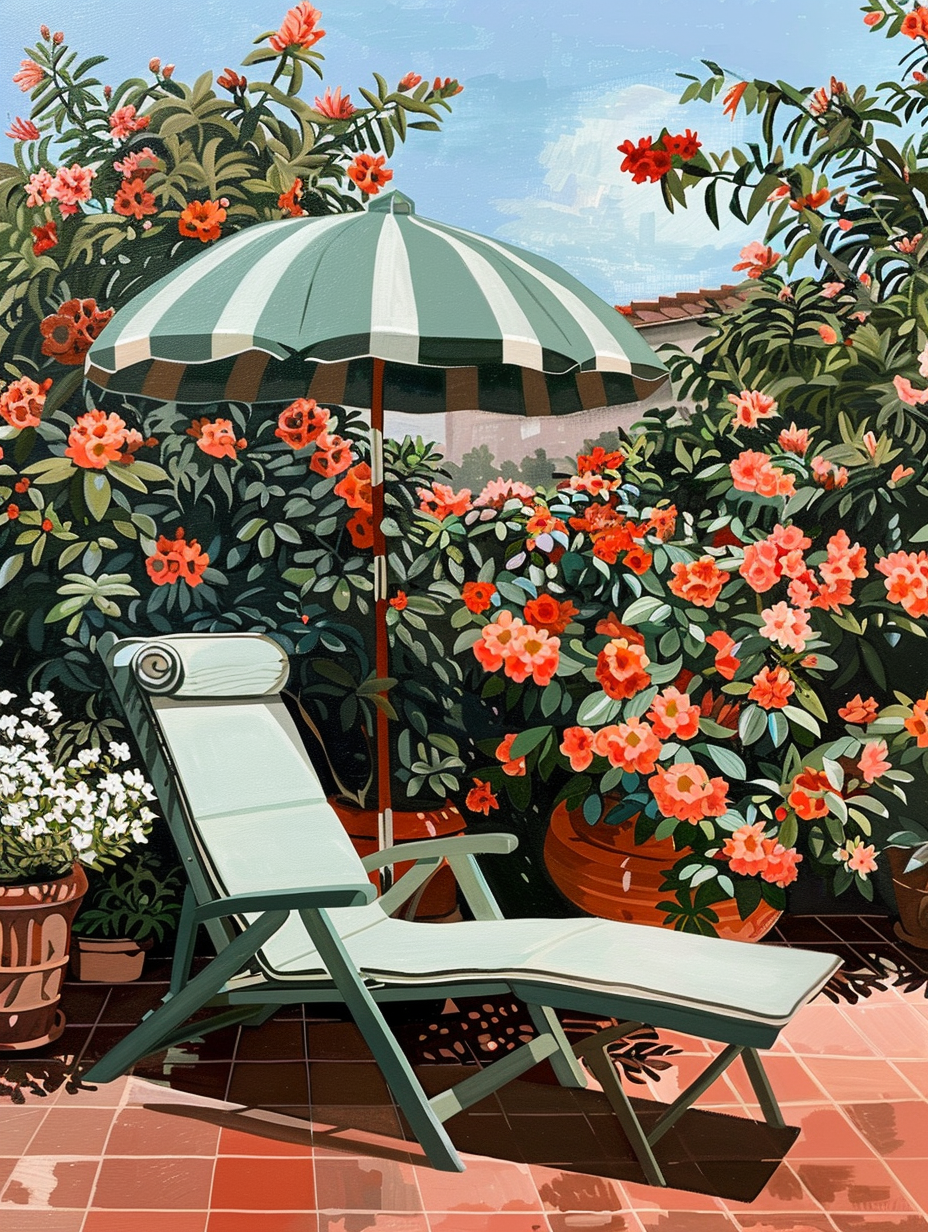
(914, 1177)
(336, 1041)
(96, 1095)
(807, 1221)
(684, 1221)
(18, 1126)
(855, 1186)
(263, 1185)
(497, 1222)
(487, 1185)
(148, 1131)
(893, 1128)
(826, 1134)
(574, 1191)
(258, 1084)
(347, 1082)
(677, 1078)
(258, 1141)
(914, 1072)
(652, 1198)
(784, 1194)
(896, 1031)
(791, 1081)
(597, 1221)
(82, 1003)
(209, 1078)
(153, 1184)
(366, 1184)
(72, 1131)
(35, 1219)
(145, 1221)
(879, 1223)
(821, 1029)
(864, 1080)
(44, 1180)
(253, 1221)
(272, 1041)
(128, 1002)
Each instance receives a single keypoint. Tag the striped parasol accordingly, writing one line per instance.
(379, 309)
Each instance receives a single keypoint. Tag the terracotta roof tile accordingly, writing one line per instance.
(686, 305)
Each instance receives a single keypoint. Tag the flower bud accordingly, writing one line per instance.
(154, 65)
(45, 32)
(107, 92)
(167, 71)
(58, 38)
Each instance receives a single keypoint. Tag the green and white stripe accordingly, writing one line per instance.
(381, 283)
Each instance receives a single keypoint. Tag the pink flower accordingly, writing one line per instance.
(23, 130)
(761, 565)
(633, 746)
(908, 393)
(298, 28)
(908, 243)
(496, 641)
(534, 652)
(744, 850)
(906, 582)
(673, 714)
(124, 122)
(578, 746)
(138, 164)
(828, 335)
(498, 491)
(442, 501)
(873, 763)
(29, 76)
(829, 474)
(752, 471)
(794, 440)
(786, 626)
(858, 858)
(70, 186)
(750, 406)
(781, 863)
(831, 289)
(333, 106)
(686, 792)
(37, 190)
(514, 767)
(756, 258)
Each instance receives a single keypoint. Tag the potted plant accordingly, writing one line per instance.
(908, 859)
(56, 817)
(120, 920)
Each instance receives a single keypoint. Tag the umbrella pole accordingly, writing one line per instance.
(382, 663)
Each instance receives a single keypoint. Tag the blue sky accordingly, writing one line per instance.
(551, 87)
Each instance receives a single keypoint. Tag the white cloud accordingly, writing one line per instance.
(612, 233)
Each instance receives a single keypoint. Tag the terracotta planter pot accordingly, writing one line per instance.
(911, 890)
(35, 936)
(438, 901)
(601, 869)
(108, 960)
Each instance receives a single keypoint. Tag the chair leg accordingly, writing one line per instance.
(604, 1071)
(164, 1022)
(762, 1088)
(380, 1039)
(567, 1069)
(186, 939)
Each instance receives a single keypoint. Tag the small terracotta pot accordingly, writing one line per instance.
(35, 936)
(107, 960)
(601, 869)
(439, 899)
(911, 890)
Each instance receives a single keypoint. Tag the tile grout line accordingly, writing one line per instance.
(123, 1103)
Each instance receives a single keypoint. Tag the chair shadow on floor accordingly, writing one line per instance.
(535, 1123)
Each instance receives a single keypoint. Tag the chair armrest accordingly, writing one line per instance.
(286, 900)
(440, 848)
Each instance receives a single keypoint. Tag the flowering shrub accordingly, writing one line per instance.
(86, 809)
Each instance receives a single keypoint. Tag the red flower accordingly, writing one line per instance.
(409, 82)
(47, 525)
(202, 220)
(480, 799)
(644, 161)
(288, 201)
(477, 596)
(232, 81)
(355, 488)
(177, 559)
(69, 332)
(298, 28)
(22, 401)
(685, 145)
(333, 455)
(23, 130)
(22, 485)
(915, 25)
(301, 423)
(44, 238)
(725, 662)
(449, 87)
(514, 767)
(400, 600)
(369, 173)
(124, 122)
(638, 560)
(733, 98)
(546, 612)
(132, 200)
(361, 529)
(333, 106)
(12, 512)
(598, 461)
(812, 201)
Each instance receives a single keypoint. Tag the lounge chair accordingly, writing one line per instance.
(291, 910)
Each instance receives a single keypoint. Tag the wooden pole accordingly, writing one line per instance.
(382, 659)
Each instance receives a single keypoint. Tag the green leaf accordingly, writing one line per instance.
(597, 709)
(97, 493)
(9, 569)
(727, 761)
(528, 740)
(752, 724)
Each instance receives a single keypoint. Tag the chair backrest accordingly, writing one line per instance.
(244, 804)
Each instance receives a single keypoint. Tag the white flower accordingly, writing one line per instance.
(6, 697)
(119, 751)
(88, 757)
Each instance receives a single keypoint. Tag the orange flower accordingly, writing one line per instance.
(700, 582)
(138, 164)
(744, 850)
(369, 173)
(772, 688)
(725, 662)
(761, 567)
(807, 792)
(858, 858)
(663, 522)
(301, 423)
(794, 440)
(12, 512)
(906, 575)
(177, 559)
(216, 437)
(333, 106)
(633, 745)
(298, 28)
(355, 488)
(620, 668)
(444, 501)
(578, 746)
(750, 407)
(232, 81)
(872, 19)
(915, 24)
(686, 792)
(812, 201)
(859, 711)
(757, 258)
(828, 474)
(202, 220)
(23, 130)
(673, 714)
(638, 560)
(133, 201)
(333, 455)
(44, 237)
(733, 98)
(96, 440)
(124, 122)
(22, 401)
(917, 723)
(29, 76)
(515, 768)
(753, 471)
(598, 461)
(480, 799)
(533, 652)
(873, 764)
(450, 85)
(477, 596)
(546, 612)
(409, 82)
(361, 529)
(828, 335)
(69, 332)
(781, 867)
(787, 627)
(289, 201)
(400, 600)
(495, 641)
